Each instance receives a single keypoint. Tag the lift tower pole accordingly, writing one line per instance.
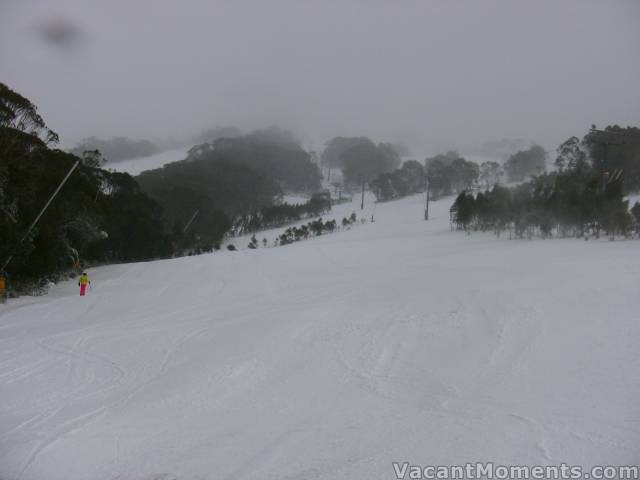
(46, 205)
(426, 193)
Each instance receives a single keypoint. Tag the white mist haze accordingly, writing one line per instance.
(434, 75)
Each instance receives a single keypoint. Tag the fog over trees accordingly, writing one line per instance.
(485, 77)
(525, 163)
(116, 149)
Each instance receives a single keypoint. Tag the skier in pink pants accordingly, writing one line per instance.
(83, 282)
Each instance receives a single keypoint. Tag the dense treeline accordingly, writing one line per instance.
(448, 173)
(360, 159)
(580, 199)
(490, 173)
(217, 190)
(232, 184)
(116, 149)
(100, 216)
(273, 153)
(332, 155)
(97, 216)
(406, 180)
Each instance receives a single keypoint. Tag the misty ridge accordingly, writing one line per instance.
(433, 76)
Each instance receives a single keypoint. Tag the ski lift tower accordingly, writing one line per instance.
(426, 192)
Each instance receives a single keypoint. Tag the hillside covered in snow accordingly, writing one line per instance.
(330, 358)
(137, 165)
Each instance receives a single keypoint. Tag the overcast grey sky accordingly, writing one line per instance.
(434, 74)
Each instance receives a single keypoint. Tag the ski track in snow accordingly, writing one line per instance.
(329, 358)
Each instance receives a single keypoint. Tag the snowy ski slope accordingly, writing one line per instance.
(137, 165)
(329, 359)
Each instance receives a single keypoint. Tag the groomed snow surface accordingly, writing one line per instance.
(331, 358)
